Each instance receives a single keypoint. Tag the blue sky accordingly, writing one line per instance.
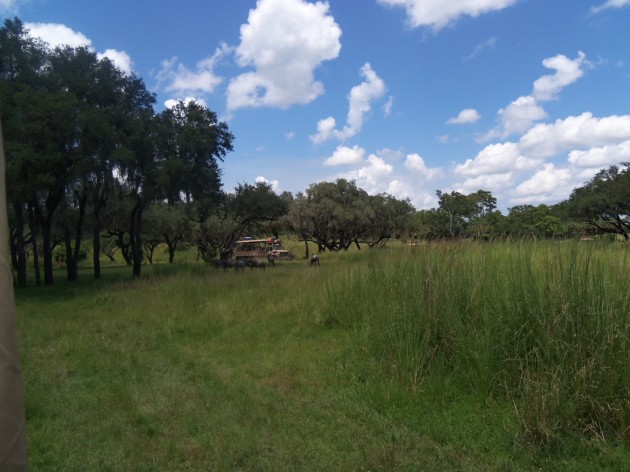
(525, 98)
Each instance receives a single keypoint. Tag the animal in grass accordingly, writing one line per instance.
(228, 264)
(271, 259)
(253, 263)
(314, 260)
(239, 265)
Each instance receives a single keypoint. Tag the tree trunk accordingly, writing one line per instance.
(136, 238)
(96, 249)
(33, 224)
(172, 247)
(48, 256)
(99, 197)
(45, 221)
(20, 246)
(306, 252)
(74, 253)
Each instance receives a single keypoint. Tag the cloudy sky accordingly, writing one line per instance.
(525, 98)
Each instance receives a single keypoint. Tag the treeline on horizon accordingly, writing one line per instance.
(88, 158)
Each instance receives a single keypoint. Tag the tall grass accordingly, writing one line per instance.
(544, 325)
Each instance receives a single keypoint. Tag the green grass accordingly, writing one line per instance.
(438, 357)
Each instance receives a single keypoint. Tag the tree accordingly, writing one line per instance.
(339, 213)
(459, 208)
(249, 205)
(604, 201)
(165, 224)
(20, 58)
(390, 219)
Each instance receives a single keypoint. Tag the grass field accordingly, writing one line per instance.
(438, 357)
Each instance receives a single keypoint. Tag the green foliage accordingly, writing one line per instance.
(336, 215)
(604, 202)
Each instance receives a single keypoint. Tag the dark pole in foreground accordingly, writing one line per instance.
(12, 417)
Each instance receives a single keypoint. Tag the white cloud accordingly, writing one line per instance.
(360, 103)
(374, 176)
(325, 130)
(567, 71)
(610, 4)
(438, 13)
(274, 184)
(517, 117)
(488, 44)
(387, 108)
(344, 155)
(172, 102)
(466, 116)
(493, 183)
(603, 156)
(121, 60)
(203, 79)
(11, 6)
(361, 98)
(574, 132)
(56, 34)
(548, 183)
(523, 112)
(390, 154)
(415, 162)
(284, 41)
(495, 159)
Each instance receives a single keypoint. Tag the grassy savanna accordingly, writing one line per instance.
(435, 357)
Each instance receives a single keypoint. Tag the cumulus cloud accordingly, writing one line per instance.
(439, 13)
(172, 102)
(610, 4)
(415, 162)
(547, 184)
(516, 118)
(284, 41)
(180, 80)
(496, 159)
(374, 177)
(344, 156)
(567, 71)
(121, 60)
(360, 100)
(493, 183)
(574, 132)
(56, 34)
(523, 112)
(274, 184)
(602, 156)
(466, 116)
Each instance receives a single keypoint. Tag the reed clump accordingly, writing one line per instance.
(543, 325)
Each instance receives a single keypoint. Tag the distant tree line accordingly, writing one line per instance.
(89, 158)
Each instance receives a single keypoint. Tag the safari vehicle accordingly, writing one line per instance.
(248, 248)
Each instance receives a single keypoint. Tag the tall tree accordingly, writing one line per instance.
(22, 59)
(604, 201)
